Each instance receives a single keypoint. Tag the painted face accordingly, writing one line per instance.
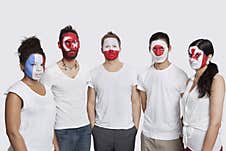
(197, 58)
(159, 51)
(111, 48)
(34, 66)
(70, 45)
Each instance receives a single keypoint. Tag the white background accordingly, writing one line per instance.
(134, 21)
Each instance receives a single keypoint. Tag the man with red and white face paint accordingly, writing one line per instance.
(159, 51)
(112, 92)
(68, 81)
(161, 86)
(197, 58)
(111, 49)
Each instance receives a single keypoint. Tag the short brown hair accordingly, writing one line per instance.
(110, 35)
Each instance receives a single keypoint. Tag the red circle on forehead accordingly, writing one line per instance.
(72, 35)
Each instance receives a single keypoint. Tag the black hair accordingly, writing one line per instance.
(29, 46)
(160, 35)
(66, 30)
(205, 81)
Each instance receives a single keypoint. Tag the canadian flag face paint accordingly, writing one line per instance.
(197, 58)
(111, 48)
(70, 45)
(34, 66)
(159, 50)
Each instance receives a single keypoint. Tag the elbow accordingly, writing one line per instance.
(215, 125)
(12, 134)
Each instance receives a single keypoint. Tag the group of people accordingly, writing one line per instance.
(59, 108)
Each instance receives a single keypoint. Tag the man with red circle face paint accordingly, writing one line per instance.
(161, 86)
(203, 100)
(113, 101)
(67, 78)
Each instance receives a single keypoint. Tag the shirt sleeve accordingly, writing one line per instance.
(140, 83)
(183, 82)
(89, 81)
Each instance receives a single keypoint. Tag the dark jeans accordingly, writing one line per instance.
(75, 139)
(114, 139)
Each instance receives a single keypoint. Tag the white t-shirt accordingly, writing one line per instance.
(113, 96)
(37, 117)
(195, 113)
(163, 89)
(70, 96)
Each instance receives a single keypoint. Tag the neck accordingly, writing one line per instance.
(29, 81)
(200, 71)
(163, 65)
(68, 62)
(112, 62)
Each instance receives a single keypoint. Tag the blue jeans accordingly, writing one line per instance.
(75, 139)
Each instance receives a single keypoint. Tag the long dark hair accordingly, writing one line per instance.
(205, 81)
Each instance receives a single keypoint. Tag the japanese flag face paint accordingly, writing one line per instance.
(111, 48)
(197, 58)
(34, 66)
(159, 51)
(70, 45)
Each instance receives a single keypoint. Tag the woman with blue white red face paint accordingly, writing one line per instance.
(67, 79)
(113, 102)
(161, 86)
(202, 102)
(30, 108)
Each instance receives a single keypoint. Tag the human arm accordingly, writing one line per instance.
(143, 97)
(91, 103)
(216, 110)
(12, 120)
(55, 143)
(136, 106)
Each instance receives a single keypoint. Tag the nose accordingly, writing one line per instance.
(158, 52)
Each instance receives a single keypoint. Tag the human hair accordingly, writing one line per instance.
(159, 35)
(110, 35)
(205, 80)
(66, 30)
(29, 46)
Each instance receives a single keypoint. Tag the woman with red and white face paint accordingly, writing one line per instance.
(112, 92)
(202, 102)
(30, 109)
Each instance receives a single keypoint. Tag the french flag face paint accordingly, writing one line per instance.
(70, 45)
(159, 51)
(111, 48)
(34, 66)
(197, 58)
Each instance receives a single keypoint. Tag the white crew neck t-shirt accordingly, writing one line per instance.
(163, 89)
(113, 96)
(70, 96)
(37, 117)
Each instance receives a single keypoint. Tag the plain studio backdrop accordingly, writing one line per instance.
(134, 22)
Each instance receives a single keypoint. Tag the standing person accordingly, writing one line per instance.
(161, 86)
(113, 101)
(202, 103)
(30, 109)
(68, 84)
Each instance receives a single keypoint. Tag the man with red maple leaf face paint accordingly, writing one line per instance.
(67, 79)
(113, 101)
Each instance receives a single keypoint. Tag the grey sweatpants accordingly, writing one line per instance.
(114, 139)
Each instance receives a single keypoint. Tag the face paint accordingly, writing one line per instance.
(70, 45)
(197, 58)
(159, 51)
(34, 66)
(111, 48)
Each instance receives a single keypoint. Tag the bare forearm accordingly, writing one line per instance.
(211, 137)
(17, 141)
(91, 114)
(55, 143)
(136, 114)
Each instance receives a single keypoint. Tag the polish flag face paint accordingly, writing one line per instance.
(70, 45)
(197, 58)
(159, 51)
(34, 66)
(111, 48)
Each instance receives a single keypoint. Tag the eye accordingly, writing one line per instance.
(197, 55)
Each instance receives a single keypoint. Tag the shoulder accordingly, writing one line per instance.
(218, 79)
